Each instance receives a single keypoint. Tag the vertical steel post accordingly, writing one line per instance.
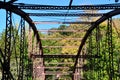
(6, 67)
(98, 49)
(110, 48)
(22, 51)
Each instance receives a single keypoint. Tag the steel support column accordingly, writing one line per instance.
(22, 50)
(110, 48)
(6, 65)
(98, 51)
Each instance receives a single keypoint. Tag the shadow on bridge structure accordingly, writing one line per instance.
(30, 53)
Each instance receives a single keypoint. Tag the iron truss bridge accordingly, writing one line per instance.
(83, 50)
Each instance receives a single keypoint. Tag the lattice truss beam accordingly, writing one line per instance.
(22, 50)
(64, 14)
(78, 7)
(8, 37)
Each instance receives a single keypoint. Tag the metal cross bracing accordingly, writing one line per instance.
(16, 63)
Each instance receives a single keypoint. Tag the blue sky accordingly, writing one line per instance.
(49, 2)
(66, 2)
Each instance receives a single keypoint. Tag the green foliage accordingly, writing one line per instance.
(15, 52)
(67, 42)
(100, 68)
(95, 68)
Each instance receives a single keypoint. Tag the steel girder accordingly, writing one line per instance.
(76, 7)
(51, 22)
(64, 56)
(69, 14)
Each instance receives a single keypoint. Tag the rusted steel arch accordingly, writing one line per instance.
(25, 16)
(94, 25)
